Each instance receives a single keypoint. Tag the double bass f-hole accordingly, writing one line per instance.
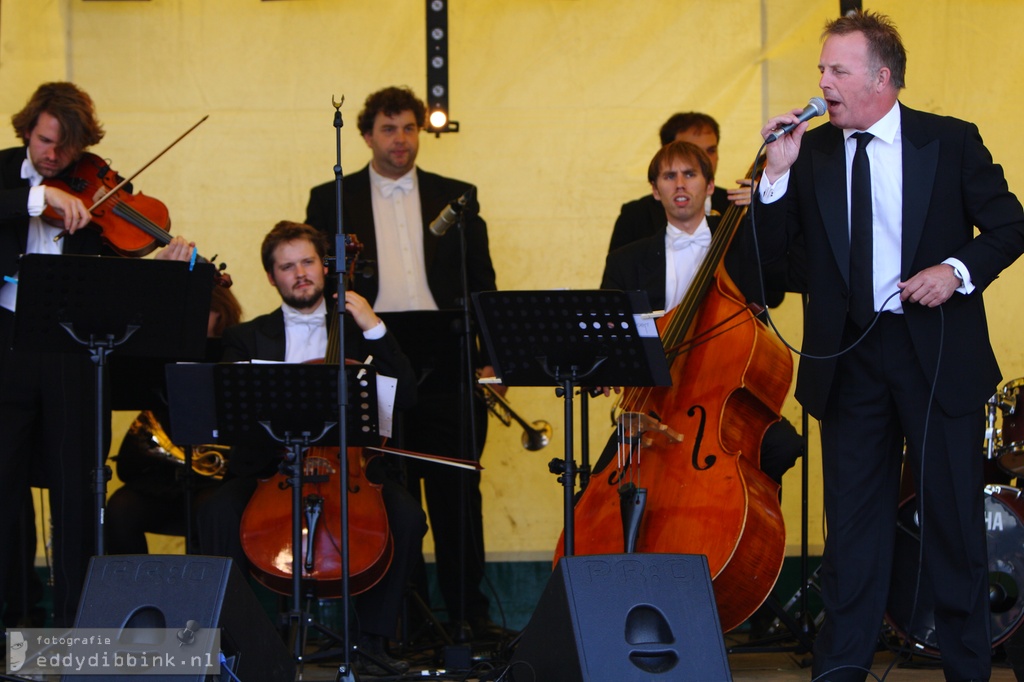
(698, 439)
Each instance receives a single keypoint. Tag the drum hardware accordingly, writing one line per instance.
(207, 460)
(536, 435)
(1004, 519)
(1005, 445)
(991, 433)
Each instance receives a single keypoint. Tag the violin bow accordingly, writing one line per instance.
(147, 165)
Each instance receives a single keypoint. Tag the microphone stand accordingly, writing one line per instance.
(345, 670)
(466, 391)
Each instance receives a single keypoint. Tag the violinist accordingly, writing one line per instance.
(293, 258)
(46, 411)
(682, 177)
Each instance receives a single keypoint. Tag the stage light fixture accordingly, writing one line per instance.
(438, 120)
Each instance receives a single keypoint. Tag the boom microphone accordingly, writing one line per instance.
(816, 107)
(449, 215)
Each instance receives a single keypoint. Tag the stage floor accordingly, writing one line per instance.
(745, 667)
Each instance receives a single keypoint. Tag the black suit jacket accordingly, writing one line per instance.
(14, 217)
(442, 255)
(640, 265)
(950, 185)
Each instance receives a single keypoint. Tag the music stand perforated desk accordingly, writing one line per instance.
(562, 338)
(274, 404)
(136, 307)
(229, 403)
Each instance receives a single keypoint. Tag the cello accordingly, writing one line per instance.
(687, 478)
(266, 526)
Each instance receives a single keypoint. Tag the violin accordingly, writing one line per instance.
(133, 225)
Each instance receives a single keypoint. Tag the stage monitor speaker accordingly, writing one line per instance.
(624, 617)
(169, 590)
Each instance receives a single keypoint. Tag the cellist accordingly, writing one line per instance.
(47, 415)
(293, 257)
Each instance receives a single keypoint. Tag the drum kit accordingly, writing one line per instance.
(1004, 520)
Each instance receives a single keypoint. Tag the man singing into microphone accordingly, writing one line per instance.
(390, 205)
(885, 200)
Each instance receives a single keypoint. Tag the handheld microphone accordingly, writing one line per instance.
(449, 215)
(816, 107)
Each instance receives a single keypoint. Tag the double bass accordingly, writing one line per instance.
(687, 478)
(266, 527)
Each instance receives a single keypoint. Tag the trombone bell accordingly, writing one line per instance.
(536, 435)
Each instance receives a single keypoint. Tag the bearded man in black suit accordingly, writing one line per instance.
(885, 201)
(389, 205)
(297, 331)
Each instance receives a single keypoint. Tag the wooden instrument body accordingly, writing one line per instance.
(267, 528)
(706, 494)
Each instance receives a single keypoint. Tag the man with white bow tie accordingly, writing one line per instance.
(48, 424)
(293, 257)
(389, 205)
(682, 177)
(645, 216)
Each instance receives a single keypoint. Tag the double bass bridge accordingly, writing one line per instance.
(640, 428)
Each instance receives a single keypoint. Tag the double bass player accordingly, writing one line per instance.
(729, 379)
(663, 264)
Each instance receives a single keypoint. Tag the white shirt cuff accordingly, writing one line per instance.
(376, 332)
(773, 191)
(36, 200)
(963, 273)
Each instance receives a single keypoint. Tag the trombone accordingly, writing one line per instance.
(535, 435)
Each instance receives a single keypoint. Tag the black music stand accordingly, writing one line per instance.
(560, 338)
(270, 405)
(432, 362)
(137, 384)
(139, 307)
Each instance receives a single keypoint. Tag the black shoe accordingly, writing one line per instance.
(377, 661)
(486, 630)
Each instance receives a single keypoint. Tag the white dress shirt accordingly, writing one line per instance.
(683, 255)
(398, 223)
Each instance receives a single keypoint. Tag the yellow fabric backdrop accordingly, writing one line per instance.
(559, 102)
